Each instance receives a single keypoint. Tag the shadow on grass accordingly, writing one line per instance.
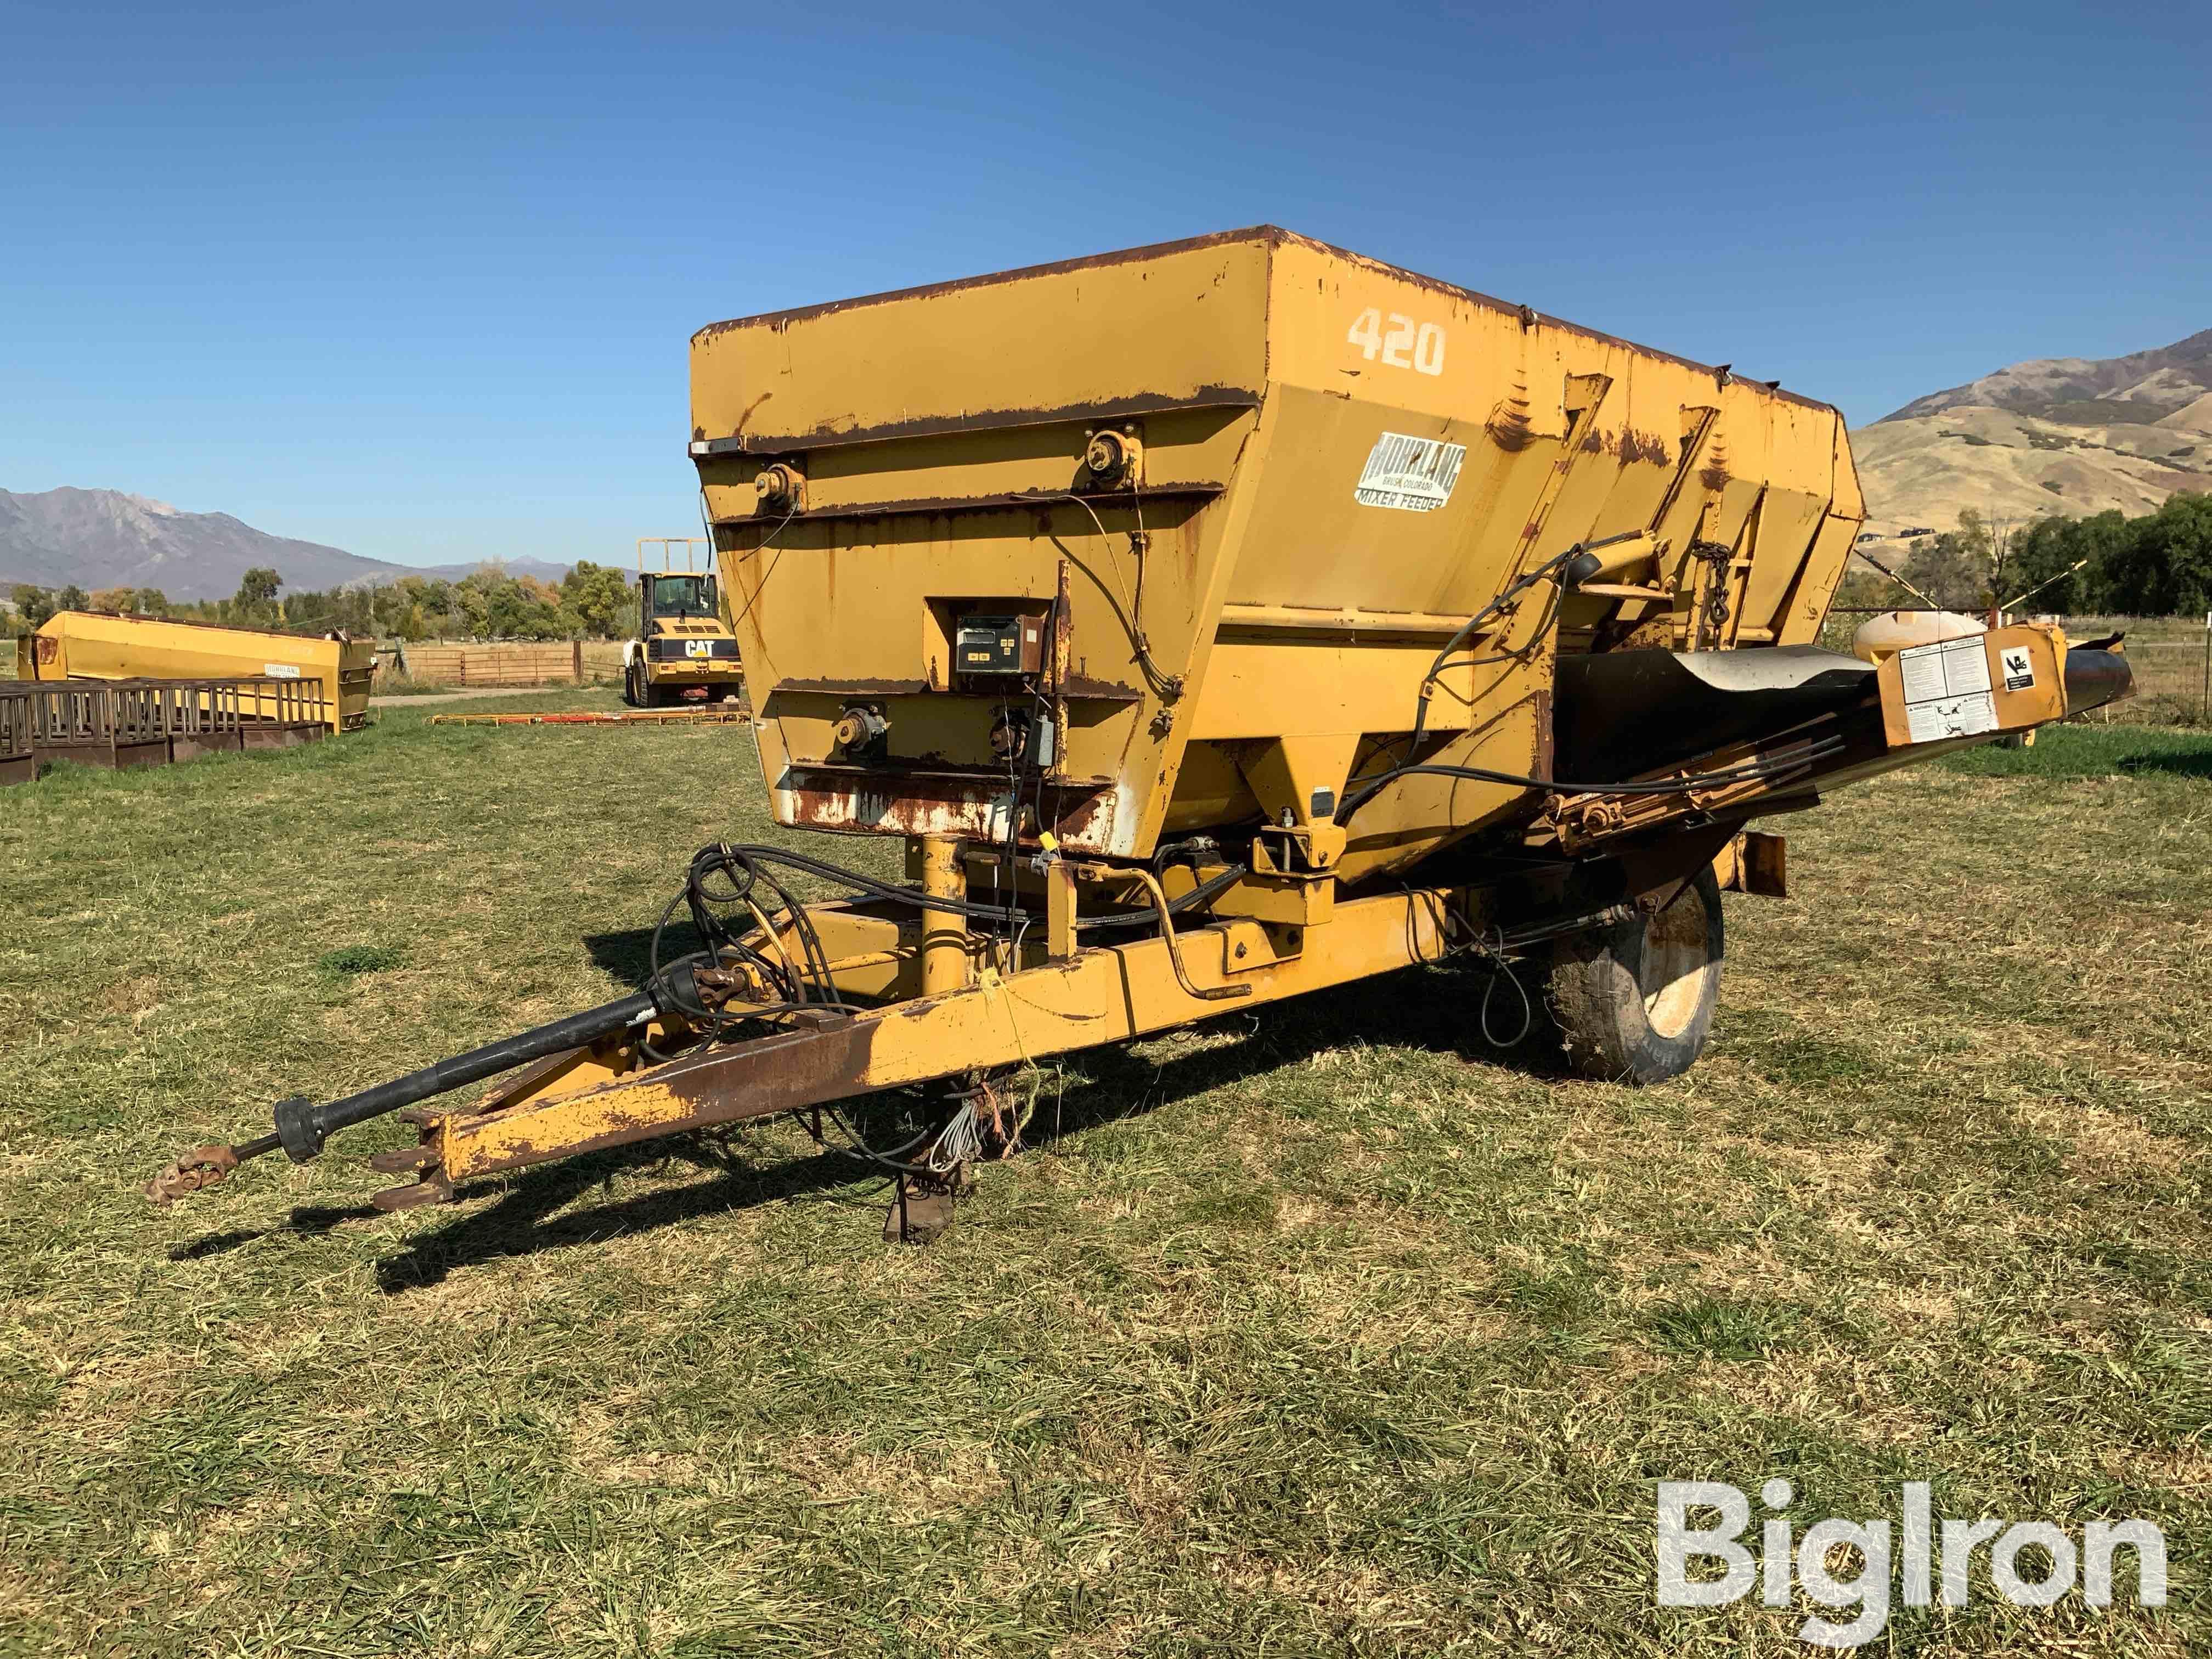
(1433, 1008)
(307, 1219)
(2092, 751)
(627, 956)
(2182, 763)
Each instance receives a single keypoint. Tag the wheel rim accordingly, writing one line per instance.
(1672, 975)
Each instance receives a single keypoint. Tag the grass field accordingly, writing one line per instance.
(1316, 1330)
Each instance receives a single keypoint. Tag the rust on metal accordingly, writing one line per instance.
(762, 1079)
(1273, 236)
(906, 803)
(433, 1189)
(924, 505)
(197, 1169)
(399, 1160)
(854, 688)
(926, 290)
(981, 420)
(1085, 688)
(1508, 427)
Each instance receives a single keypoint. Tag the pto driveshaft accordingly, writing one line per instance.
(302, 1126)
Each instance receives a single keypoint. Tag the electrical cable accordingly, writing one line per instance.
(1500, 969)
(1505, 597)
(763, 546)
(1169, 686)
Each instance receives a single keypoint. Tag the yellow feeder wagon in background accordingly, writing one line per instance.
(98, 646)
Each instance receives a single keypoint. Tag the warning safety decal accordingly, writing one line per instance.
(2019, 669)
(1947, 690)
(1414, 475)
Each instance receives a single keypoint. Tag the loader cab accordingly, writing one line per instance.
(665, 598)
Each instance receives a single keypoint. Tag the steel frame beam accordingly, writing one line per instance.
(1100, 995)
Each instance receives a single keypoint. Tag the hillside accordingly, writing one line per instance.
(543, 570)
(2057, 434)
(2142, 387)
(100, 538)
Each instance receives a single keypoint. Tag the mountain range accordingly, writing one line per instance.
(100, 538)
(2071, 436)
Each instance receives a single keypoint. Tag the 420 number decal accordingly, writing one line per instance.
(1398, 340)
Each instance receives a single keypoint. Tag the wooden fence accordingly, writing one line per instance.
(477, 662)
(560, 663)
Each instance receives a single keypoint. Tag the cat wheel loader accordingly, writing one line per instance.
(684, 651)
(1216, 624)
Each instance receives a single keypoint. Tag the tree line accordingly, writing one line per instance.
(590, 602)
(2154, 565)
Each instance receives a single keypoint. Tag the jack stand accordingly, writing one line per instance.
(921, 1208)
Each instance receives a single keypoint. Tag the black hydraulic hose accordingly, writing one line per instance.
(1558, 561)
(302, 1126)
(1197, 896)
(858, 882)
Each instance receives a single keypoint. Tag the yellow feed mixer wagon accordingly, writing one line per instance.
(1215, 624)
(98, 645)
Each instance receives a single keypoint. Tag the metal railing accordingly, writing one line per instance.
(112, 722)
(14, 722)
(72, 714)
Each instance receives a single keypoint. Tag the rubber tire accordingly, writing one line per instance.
(629, 686)
(1633, 1003)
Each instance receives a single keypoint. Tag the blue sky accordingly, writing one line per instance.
(418, 281)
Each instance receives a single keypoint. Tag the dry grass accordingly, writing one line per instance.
(1315, 1330)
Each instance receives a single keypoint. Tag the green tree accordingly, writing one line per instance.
(2155, 564)
(72, 598)
(471, 605)
(520, 608)
(2172, 549)
(33, 605)
(256, 590)
(595, 596)
(150, 601)
(1946, 569)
